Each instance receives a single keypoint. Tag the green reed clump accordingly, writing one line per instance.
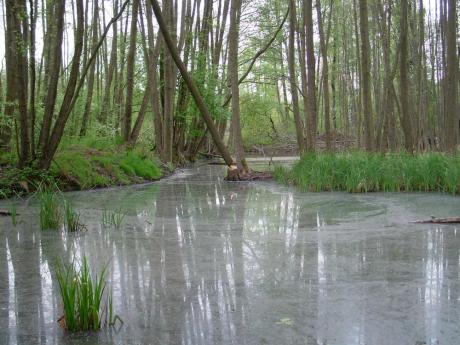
(50, 210)
(372, 172)
(87, 306)
(112, 218)
(13, 214)
(72, 218)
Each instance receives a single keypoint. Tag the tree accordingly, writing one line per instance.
(366, 75)
(235, 10)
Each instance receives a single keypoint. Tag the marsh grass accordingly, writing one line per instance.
(86, 303)
(14, 214)
(112, 218)
(72, 218)
(50, 211)
(372, 172)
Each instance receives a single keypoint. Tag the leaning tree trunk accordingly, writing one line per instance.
(204, 111)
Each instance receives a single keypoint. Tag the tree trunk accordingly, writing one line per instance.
(366, 75)
(191, 85)
(233, 38)
(293, 76)
(131, 58)
(452, 116)
(404, 80)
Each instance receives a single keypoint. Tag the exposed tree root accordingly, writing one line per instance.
(234, 174)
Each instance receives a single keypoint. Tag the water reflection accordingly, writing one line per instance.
(202, 261)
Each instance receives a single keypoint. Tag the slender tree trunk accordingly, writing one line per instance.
(404, 80)
(130, 64)
(325, 84)
(311, 79)
(235, 10)
(366, 75)
(452, 115)
(90, 85)
(293, 76)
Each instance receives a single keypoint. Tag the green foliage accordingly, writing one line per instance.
(14, 214)
(134, 164)
(112, 218)
(72, 219)
(372, 172)
(82, 297)
(50, 212)
(98, 163)
(259, 119)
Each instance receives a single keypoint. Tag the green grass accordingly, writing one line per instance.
(50, 212)
(112, 218)
(14, 214)
(80, 165)
(86, 168)
(371, 172)
(72, 218)
(82, 296)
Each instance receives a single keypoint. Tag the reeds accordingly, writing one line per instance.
(50, 211)
(83, 297)
(72, 221)
(112, 218)
(372, 172)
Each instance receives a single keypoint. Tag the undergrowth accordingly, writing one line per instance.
(87, 164)
(372, 172)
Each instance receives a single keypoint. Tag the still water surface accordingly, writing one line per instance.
(202, 261)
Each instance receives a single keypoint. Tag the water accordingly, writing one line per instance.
(203, 261)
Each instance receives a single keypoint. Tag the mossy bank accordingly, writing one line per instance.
(82, 167)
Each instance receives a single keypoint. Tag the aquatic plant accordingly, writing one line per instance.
(71, 218)
(50, 212)
(372, 172)
(13, 213)
(112, 218)
(82, 298)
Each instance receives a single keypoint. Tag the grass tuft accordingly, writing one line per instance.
(72, 218)
(112, 218)
(357, 172)
(82, 298)
(50, 212)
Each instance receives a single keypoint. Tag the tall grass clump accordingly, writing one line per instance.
(50, 211)
(86, 303)
(72, 221)
(371, 172)
(112, 218)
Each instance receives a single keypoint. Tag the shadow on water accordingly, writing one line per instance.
(202, 261)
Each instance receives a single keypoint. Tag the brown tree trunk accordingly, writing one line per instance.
(404, 80)
(452, 116)
(293, 76)
(191, 85)
(233, 37)
(311, 119)
(90, 85)
(366, 75)
(127, 118)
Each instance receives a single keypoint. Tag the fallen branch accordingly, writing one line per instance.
(434, 220)
(5, 213)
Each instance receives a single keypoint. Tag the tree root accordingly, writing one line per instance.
(234, 175)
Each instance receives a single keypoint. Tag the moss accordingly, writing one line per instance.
(372, 172)
(89, 167)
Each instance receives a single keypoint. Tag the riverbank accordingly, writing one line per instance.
(83, 167)
(358, 172)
